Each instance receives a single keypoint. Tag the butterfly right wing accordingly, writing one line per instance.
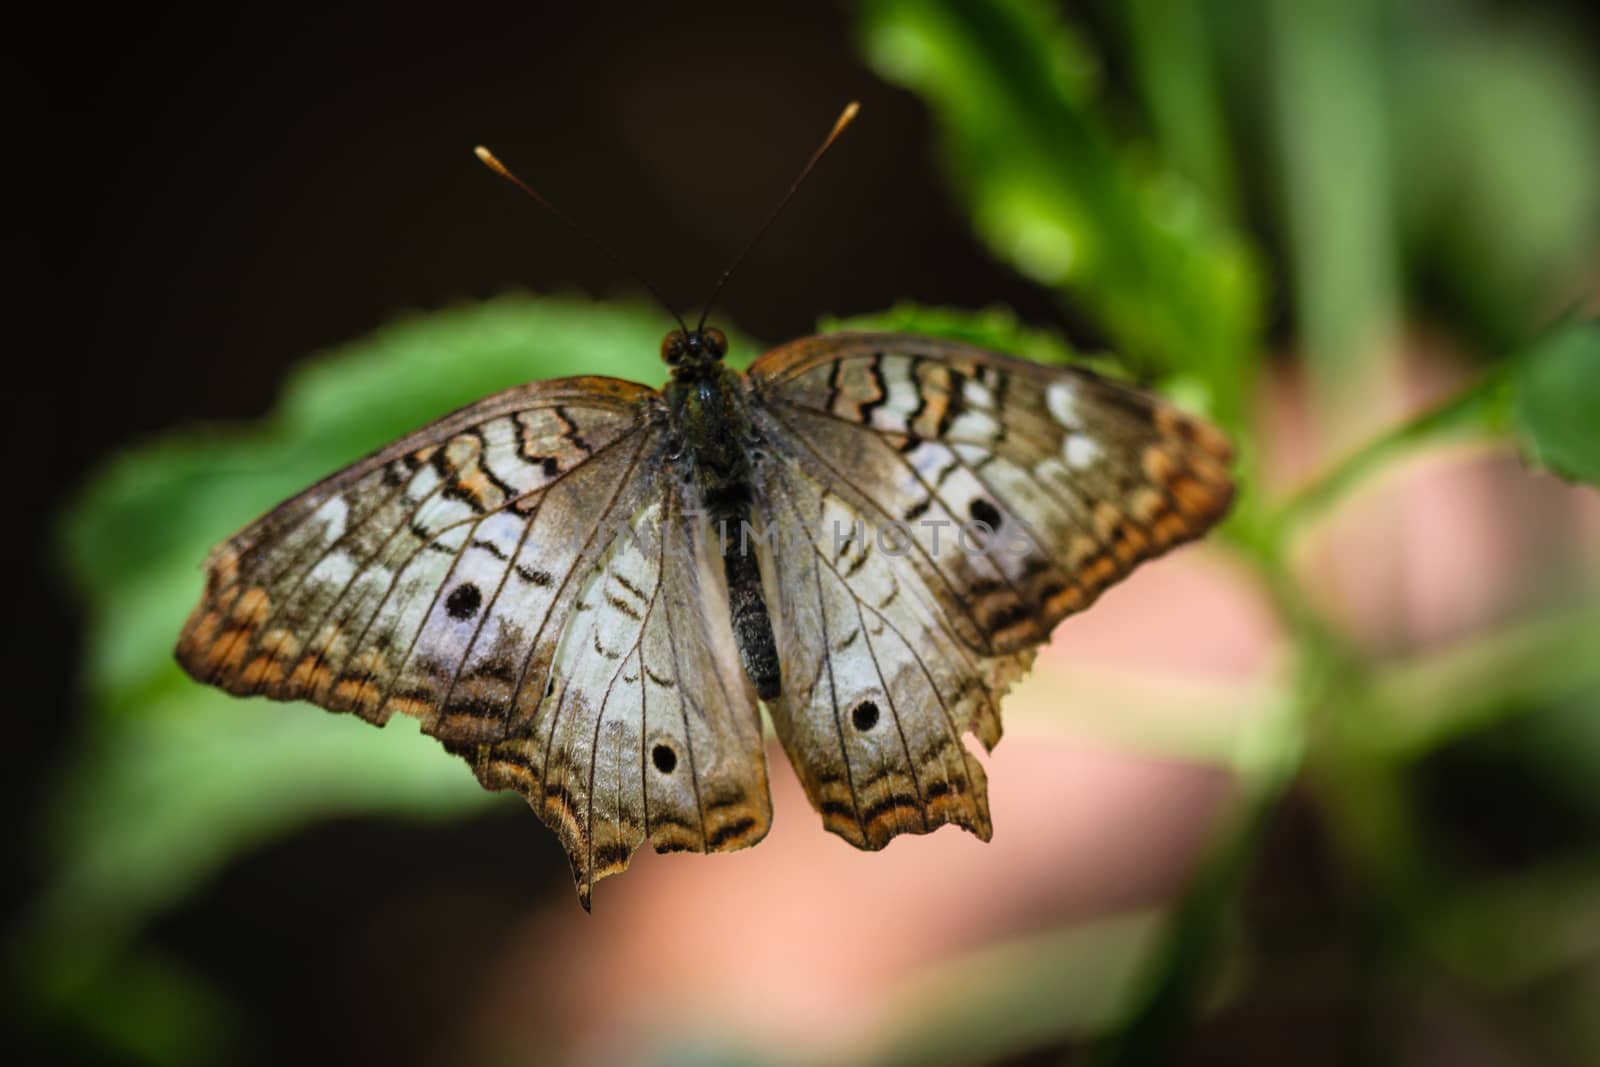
(432, 577)
(879, 683)
(897, 632)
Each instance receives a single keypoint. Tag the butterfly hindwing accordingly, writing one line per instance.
(649, 728)
(879, 686)
(988, 498)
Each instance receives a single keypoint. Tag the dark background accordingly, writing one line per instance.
(213, 200)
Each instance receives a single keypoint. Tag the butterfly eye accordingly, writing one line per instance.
(672, 347)
(716, 341)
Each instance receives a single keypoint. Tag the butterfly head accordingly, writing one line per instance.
(694, 348)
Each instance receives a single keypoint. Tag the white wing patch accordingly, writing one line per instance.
(1080, 450)
(1061, 399)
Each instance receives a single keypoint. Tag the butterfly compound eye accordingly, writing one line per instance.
(673, 346)
(716, 341)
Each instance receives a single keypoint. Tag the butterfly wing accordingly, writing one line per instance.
(649, 728)
(878, 682)
(937, 509)
(369, 590)
(520, 578)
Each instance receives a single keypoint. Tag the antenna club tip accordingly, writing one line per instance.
(487, 158)
(845, 118)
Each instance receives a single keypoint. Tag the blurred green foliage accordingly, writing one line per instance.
(1555, 401)
(1345, 159)
(1057, 196)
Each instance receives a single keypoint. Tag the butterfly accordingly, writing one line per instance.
(588, 589)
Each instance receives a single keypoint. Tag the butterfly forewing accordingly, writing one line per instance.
(1079, 478)
(394, 584)
(956, 505)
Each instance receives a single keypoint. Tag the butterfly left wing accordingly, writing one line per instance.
(521, 578)
(990, 498)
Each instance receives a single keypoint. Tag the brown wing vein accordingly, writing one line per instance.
(566, 579)
(344, 590)
(888, 696)
(952, 728)
(594, 744)
(683, 713)
(280, 602)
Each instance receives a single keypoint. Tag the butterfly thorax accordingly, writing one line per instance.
(711, 426)
(711, 433)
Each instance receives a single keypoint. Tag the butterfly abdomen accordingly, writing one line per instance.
(709, 416)
(747, 600)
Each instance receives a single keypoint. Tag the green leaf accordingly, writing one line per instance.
(1429, 700)
(996, 329)
(148, 1009)
(1330, 118)
(1496, 145)
(1005, 1000)
(1133, 243)
(1546, 396)
(1172, 53)
(1558, 401)
(1515, 929)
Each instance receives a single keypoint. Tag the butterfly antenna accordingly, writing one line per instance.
(844, 119)
(488, 159)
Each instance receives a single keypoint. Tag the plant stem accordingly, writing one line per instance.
(1477, 410)
(1182, 970)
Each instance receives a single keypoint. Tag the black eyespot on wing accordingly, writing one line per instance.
(463, 602)
(983, 511)
(664, 758)
(864, 715)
